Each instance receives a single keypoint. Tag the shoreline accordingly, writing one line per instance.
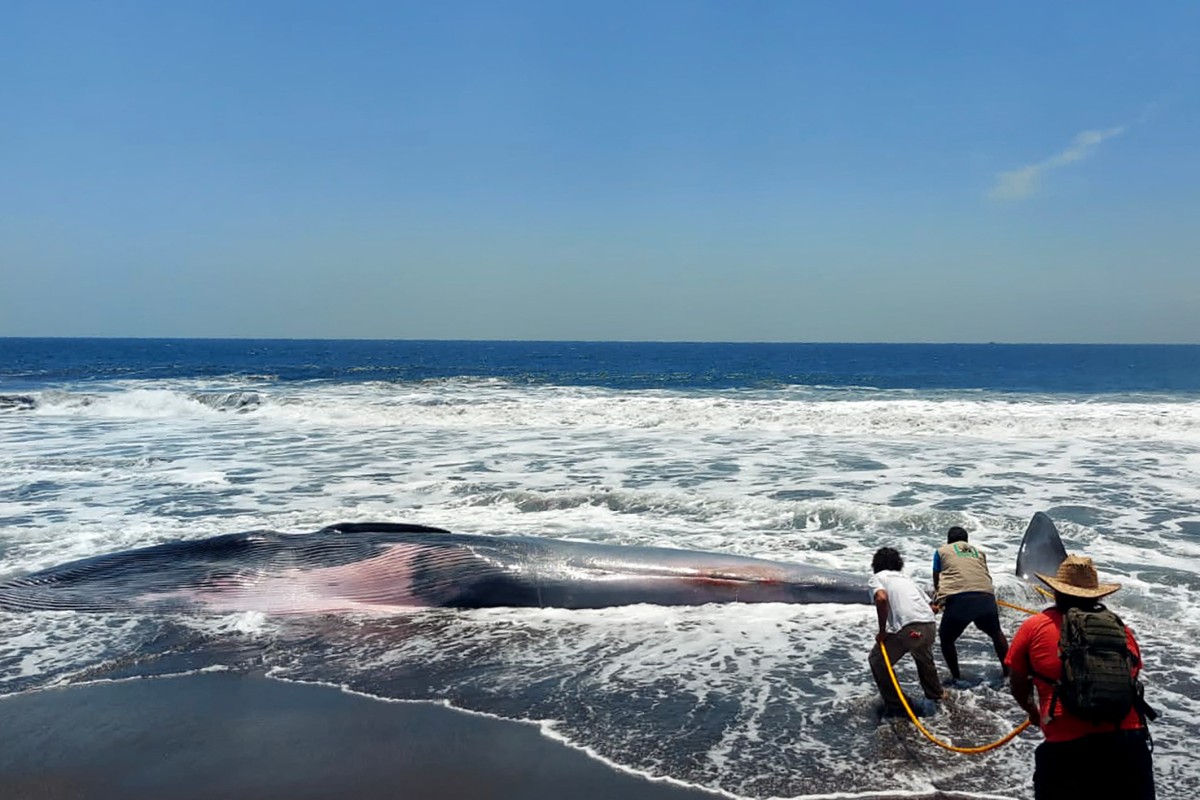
(230, 735)
(222, 734)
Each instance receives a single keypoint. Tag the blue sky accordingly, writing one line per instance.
(741, 171)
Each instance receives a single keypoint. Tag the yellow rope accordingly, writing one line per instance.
(1000, 602)
(904, 700)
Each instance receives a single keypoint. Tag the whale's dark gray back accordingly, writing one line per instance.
(378, 566)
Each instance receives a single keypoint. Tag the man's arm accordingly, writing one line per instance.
(937, 575)
(1021, 686)
(1020, 681)
(881, 612)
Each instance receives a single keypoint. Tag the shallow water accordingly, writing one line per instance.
(758, 700)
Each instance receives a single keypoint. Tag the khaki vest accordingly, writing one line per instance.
(964, 569)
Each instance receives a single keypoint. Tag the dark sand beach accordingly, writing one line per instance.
(232, 736)
(224, 735)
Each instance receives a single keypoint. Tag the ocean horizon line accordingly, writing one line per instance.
(744, 342)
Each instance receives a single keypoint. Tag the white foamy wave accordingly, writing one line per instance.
(706, 695)
(552, 409)
(133, 403)
(458, 405)
(758, 700)
(254, 623)
(45, 648)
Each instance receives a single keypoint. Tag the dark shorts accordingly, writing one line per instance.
(963, 609)
(1116, 764)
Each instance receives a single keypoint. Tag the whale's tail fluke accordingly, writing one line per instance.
(1041, 550)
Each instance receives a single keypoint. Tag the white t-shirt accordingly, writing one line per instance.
(906, 602)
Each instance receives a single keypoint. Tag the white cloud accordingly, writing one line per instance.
(1018, 183)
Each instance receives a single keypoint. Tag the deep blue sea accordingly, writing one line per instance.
(812, 453)
(1077, 369)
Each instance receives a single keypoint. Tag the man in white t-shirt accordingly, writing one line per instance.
(905, 626)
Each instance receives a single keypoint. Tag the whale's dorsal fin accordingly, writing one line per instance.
(1041, 550)
(378, 527)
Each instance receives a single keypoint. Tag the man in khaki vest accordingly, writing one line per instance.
(963, 591)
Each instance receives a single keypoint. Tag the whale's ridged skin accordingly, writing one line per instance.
(377, 568)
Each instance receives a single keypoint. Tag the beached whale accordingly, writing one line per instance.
(381, 567)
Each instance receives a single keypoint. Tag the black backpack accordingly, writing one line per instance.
(1097, 682)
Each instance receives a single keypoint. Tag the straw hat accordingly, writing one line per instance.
(1077, 577)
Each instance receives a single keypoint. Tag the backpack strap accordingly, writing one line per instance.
(1144, 710)
(1146, 714)
(1054, 701)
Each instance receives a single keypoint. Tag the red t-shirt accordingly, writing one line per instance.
(1034, 651)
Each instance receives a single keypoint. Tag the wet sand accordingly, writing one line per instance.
(232, 736)
(223, 735)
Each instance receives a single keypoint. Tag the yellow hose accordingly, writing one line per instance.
(1000, 602)
(904, 701)
(930, 736)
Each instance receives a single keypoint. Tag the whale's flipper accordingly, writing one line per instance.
(1041, 550)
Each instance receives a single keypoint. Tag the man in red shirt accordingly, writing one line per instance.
(1078, 759)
